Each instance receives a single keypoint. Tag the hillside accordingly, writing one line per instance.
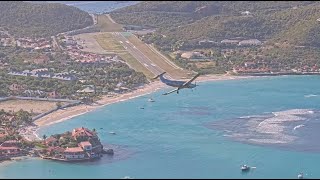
(276, 21)
(288, 30)
(41, 20)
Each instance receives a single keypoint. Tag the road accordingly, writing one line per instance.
(55, 43)
(136, 53)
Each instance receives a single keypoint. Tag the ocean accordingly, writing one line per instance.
(98, 7)
(270, 123)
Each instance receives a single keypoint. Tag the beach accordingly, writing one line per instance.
(68, 113)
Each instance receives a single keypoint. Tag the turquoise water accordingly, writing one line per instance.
(169, 138)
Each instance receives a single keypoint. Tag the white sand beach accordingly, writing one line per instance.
(65, 114)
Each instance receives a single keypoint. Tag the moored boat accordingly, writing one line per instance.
(245, 168)
(150, 100)
(300, 176)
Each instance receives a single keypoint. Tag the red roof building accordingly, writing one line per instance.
(86, 145)
(82, 132)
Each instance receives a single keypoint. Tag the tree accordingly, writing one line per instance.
(58, 104)
(44, 137)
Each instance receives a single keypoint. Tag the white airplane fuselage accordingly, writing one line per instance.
(176, 83)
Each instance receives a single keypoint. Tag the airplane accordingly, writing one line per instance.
(178, 84)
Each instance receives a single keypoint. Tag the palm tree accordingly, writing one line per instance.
(44, 137)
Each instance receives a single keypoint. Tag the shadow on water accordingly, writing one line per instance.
(121, 152)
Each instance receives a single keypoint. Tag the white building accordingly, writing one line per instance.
(86, 145)
(252, 42)
(74, 153)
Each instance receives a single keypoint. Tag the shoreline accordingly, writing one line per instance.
(71, 112)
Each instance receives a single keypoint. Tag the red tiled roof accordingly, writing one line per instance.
(56, 148)
(51, 139)
(74, 149)
(11, 141)
(8, 148)
(82, 130)
(85, 143)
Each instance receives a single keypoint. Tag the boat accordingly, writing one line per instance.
(150, 100)
(112, 132)
(127, 177)
(300, 176)
(245, 168)
(142, 108)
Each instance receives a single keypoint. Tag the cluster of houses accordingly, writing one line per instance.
(6, 39)
(5, 120)
(193, 55)
(85, 57)
(74, 51)
(3, 65)
(89, 146)
(34, 43)
(9, 149)
(262, 67)
(23, 90)
(44, 73)
(235, 42)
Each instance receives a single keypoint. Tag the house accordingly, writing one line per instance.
(120, 89)
(55, 150)
(206, 42)
(9, 151)
(228, 41)
(89, 89)
(16, 87)
(10, 143)
(250, 42)
(249, 64)
(74, 153)
(189, 55)
(51, 141)
(86, 145)
(82, 133)
(33, 93)
(245, 13)
(53, 94)
(41, 60)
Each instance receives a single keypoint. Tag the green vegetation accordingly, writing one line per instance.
(282, 26)
(108, 42)
(15, 119)
(24, 19)
(104, 77)
(104, 24)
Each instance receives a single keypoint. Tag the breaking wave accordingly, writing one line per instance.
(299, 126)
(310, 95)
(292, 129)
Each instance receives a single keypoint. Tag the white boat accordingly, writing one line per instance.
(300, 176)
(150, 100)
(127, 177)
(245, 168)
(112, 132)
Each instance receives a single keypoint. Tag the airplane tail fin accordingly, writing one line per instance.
(159, 75)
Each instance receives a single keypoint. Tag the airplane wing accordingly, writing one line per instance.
(171, 91)
(188, 82)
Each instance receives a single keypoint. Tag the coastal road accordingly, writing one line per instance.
(136, 53)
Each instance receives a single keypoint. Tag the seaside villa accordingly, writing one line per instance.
(74, 153)
(88, 146)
